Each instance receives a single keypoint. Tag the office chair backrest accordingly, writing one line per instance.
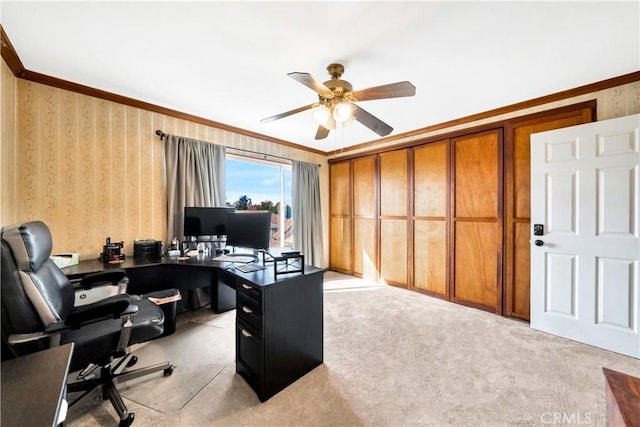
(18, 314)
(35, 293)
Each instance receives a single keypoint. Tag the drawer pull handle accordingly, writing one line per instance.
(246, 286)
(246, 309)
(246, 333)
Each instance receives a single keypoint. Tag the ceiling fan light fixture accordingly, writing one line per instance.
(342, 111)
(336, 106)
(322, 114)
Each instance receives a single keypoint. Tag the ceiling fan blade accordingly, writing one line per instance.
(322, 132)
(371, 121)
(391, 90)
(287, 113)
(308, 80)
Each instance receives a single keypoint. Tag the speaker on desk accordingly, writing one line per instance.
(148, 249)
(158, 249)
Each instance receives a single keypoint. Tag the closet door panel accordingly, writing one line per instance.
(517, 271)
(477, 220)
(476, 263)
(521, 173)
(393, 251)
(430, 180)
(394, 193)
(340, 200)
(364, 248)
(430, 187)
(364, 186)
(364, 217)
(522, 271)
(340, 217)
(430, 253)
(340, 237)
(393, 183)
(476, 176)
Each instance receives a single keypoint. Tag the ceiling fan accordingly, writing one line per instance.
(337, 102)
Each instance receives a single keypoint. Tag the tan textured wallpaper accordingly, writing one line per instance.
(91, 168)
(7, 147)
(88, 168)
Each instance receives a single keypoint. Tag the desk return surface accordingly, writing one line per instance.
(279, 318)
(33, 387)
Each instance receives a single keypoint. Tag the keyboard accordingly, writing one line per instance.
(248, 268)
(235, 258)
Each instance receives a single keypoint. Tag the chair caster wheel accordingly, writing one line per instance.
(132, 361)
(127, 421)
(168, 371)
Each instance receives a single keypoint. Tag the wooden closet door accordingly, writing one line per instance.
(340, 217)
(518, 196)
(477, 221)
(393, 217)
(364, 218)
(430, 218)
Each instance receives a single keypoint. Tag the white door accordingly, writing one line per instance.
(584, 265)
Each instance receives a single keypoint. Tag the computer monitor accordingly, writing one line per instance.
(200, 221)
(249, 229)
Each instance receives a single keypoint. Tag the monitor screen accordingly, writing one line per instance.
(249, 229)
(206, 221)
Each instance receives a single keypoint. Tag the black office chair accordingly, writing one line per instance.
(38, 313)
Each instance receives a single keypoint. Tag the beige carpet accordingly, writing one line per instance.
(392, 358)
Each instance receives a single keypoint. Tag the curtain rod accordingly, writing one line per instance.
(162, 136)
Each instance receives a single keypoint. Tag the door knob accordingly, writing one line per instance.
(538, 243)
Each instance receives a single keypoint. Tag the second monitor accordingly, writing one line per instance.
(249, 229)
(200, 221)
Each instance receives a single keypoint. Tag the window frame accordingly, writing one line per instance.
(283, 165)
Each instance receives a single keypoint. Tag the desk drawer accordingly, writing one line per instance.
(248, 352)
(252, 304)
(249, 290)
(249, 311)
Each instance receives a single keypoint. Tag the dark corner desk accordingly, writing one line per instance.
(279, 318)
(33, 387)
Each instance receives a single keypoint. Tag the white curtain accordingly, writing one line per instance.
(195, 173)
(307, 214)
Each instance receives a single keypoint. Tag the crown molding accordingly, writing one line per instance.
(17, 68)
(10, 56)
(558, 96)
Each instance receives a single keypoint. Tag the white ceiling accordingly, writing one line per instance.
(228, 61)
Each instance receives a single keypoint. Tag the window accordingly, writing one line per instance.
(262, 185)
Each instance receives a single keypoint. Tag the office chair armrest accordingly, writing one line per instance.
(112, 276)
(22, 338)
(111, 307)
(108, 308)
(49, 331)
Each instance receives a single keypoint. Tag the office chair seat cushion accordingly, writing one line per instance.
(94, 341)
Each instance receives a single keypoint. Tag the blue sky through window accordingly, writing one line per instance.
(256, 180)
